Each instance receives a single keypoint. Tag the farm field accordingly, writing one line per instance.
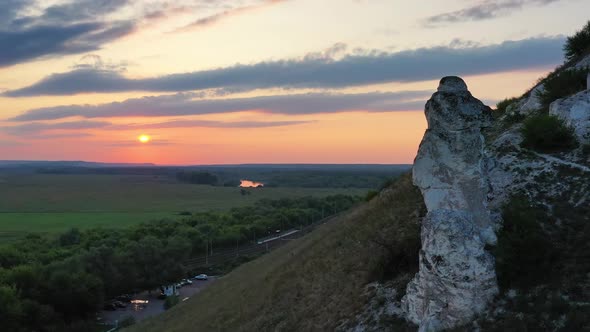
(53, 203)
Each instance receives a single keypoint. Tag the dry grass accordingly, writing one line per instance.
(315, 282)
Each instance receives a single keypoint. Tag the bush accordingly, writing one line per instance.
(578, 45)
(563, 84)
(547, 133)
(525, 256)
(171, 301)
(503, 105)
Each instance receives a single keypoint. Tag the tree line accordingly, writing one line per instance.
(58, 284)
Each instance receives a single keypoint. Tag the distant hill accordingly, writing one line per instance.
(315, 167)
(47, 163)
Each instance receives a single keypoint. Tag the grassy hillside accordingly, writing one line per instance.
(53, 203)
(315, 282)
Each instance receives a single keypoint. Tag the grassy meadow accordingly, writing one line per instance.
(53, 203)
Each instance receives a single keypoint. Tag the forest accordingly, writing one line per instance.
(59, 283)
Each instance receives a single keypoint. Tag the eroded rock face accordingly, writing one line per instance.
(575, 111)
(456, 279)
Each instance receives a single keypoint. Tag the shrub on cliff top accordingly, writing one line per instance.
(579, 44)
(503, 105)
(563, 84)
(547, 133)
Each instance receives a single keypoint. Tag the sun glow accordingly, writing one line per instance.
(144, 138)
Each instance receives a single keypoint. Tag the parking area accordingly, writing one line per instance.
(147, 304)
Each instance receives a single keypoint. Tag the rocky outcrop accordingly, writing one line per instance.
(575, 111)
(532, 102)
(456, 278)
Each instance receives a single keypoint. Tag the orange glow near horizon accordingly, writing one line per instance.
(350, 138)
(359, 137)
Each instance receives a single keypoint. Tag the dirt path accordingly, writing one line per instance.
(562, 162)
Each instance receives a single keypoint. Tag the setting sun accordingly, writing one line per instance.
(144, 138)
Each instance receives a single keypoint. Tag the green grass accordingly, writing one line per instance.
(49, 203)
(14, 225)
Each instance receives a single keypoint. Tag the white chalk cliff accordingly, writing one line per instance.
(456, 278)
(575, 111)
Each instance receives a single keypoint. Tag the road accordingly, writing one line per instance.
(154, 306)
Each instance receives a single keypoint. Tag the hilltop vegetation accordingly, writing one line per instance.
(578, 45)
(542, 255)
(541, 131)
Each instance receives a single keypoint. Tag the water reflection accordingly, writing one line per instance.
(250, 184)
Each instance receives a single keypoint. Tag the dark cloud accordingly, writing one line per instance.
(10, 10)
(43, 41)
(43, 129)
(484, 10)
(70, 28)
(38, 127)
(81, 10)
(183, 104)
(321, 72)
(78, 26)
(45, 136)
(184, 123)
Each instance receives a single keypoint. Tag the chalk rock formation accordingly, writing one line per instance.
(532, 102)
(575, 111)
(456, 278)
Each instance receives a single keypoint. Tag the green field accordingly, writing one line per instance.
(49, 203)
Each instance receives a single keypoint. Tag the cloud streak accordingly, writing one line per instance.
(209, 124)
(485, 10)
(183, 104)
(319, 72)
(216, 18)
(37, 130)
(38, 127)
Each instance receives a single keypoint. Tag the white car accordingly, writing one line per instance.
(201, 277)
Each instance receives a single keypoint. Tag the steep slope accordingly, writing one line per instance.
(317, 282)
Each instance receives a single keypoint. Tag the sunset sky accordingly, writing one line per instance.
(257, 81)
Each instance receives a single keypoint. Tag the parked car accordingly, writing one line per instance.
(185, 282)
(201, 277)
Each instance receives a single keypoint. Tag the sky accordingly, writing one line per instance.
(257, 81)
